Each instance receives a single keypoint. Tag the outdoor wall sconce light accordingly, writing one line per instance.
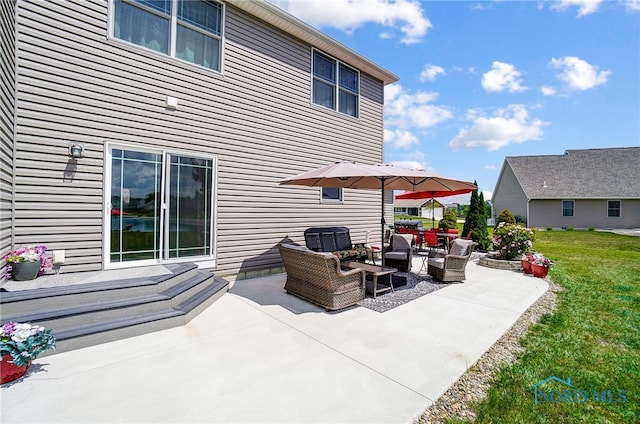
(76, 150)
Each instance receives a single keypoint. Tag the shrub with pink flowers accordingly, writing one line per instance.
(512, 240)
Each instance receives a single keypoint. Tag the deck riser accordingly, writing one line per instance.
(97, 316)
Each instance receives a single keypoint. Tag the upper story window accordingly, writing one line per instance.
(614, 208)
(335, 85)
(190, 30)
(568, 207)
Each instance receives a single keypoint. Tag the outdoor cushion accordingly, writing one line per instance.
(437, 262)
(396, 255)
(459, 247)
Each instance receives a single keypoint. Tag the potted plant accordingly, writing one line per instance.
(26, 263)
(526, 260)
(20, 343)
(540, 265)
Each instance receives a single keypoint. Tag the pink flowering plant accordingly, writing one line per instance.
(512, 240)
(32, 253)
(25, 342)
(537, 258)
(528, 256)
(540, 259)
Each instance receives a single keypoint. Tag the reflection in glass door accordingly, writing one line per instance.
(135, 205)
(189, 224)
(141, 229)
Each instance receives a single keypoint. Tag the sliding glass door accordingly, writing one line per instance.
(161, 206)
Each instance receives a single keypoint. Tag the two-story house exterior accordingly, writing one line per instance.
(139, 132)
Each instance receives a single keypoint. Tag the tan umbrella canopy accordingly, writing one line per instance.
(383, 177)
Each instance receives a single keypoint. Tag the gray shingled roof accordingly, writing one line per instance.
(580, 174)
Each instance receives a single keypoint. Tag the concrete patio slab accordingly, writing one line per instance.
(259, 355)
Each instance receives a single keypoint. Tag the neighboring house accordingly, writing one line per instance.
(583, 188)
(425, 208)
(183, 117)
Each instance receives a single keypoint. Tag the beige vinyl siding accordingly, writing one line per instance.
(587, 213)
(7, 100)
(509, 194)
(76, 84)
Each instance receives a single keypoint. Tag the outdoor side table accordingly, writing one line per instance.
(424, 256)
(374, 272)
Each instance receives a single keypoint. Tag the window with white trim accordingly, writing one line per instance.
(331, 194)
(335, 85)
(568, 208)
(190, 30)
(614, 208)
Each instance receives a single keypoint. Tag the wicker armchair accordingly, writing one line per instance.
(317, 277)
(451, 267)
(400, 252)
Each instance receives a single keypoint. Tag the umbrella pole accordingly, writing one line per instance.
(433, 212)
(382, 222)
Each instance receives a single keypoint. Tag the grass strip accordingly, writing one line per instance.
(593, 339)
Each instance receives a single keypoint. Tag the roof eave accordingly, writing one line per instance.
(293, 26)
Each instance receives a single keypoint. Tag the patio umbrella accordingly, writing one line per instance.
(431, 195)
(383, 177)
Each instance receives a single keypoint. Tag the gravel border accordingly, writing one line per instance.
(459, 400)
(415, 286)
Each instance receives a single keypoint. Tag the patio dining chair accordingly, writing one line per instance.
(431, 240)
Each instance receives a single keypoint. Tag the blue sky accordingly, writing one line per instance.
(482, 80)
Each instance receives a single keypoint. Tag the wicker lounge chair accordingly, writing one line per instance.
(400, 252)
(318, 278)
(451, 267)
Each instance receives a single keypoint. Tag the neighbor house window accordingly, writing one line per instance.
(335, 85)
(331, 194)
(568, 207)
(613, 208)
(190, 30)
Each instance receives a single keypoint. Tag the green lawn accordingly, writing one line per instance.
(593, 338)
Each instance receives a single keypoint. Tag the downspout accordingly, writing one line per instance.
(14, 168)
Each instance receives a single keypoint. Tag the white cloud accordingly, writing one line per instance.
(585, 7)
(408, 164)
(430, 72)
(509, 125)
(501, 77)
(547, 91)
(405, 15)
(579, 74)
(491, 168)
(632, 5)
(399, 138)
(407, 110)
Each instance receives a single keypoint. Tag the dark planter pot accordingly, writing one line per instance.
(526, 266)
(539, 270)
(9, 371)
(23, 271)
